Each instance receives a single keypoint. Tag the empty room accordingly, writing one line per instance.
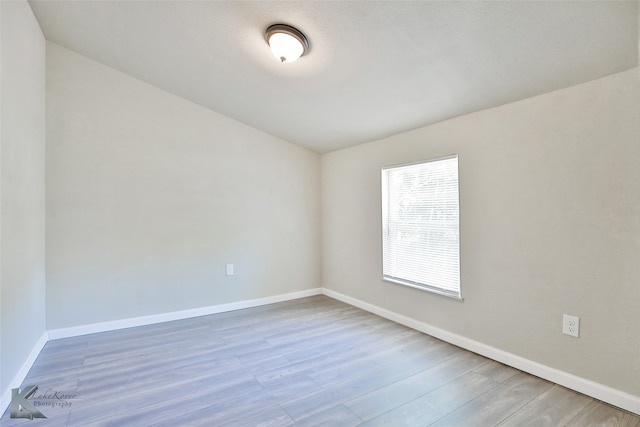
(319, 213)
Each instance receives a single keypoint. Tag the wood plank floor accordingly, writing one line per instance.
(309, 362)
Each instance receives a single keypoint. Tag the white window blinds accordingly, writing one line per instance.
(420, 223)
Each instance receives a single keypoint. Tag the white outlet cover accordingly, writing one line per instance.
(571, 325)
(229, 269)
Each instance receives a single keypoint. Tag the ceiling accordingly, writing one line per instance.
(375, 68)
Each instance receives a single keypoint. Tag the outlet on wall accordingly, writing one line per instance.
(571, 325)
(229, 269)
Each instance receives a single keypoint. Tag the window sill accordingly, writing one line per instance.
(457, 297)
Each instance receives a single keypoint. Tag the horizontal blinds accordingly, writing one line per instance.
(420, 225)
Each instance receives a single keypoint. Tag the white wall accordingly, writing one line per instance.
(149, 196)
(22, 148)
(550, 224)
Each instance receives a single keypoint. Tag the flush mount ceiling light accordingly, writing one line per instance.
(287, 43)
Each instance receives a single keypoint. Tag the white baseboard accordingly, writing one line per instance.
(113, 325)
(599, 391)
(22, 373)
(139, 321)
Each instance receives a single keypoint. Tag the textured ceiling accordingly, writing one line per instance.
(374, 68)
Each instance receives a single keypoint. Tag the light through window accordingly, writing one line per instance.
(420, 225)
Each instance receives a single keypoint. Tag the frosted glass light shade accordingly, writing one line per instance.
(285, 47)
(286, 43)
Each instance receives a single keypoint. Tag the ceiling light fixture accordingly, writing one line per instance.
(287, 43)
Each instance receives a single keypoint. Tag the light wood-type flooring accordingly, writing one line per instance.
(308, 362)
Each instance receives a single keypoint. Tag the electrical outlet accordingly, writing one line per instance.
(571, 325)
(229, 269)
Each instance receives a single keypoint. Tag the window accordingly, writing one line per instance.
(420, 226)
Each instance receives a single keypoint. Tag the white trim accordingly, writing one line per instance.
(113, 325)
(419, 162)
(425, 288)
(22, 373)
(599, 391)
(139, 321)
(596, 390)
